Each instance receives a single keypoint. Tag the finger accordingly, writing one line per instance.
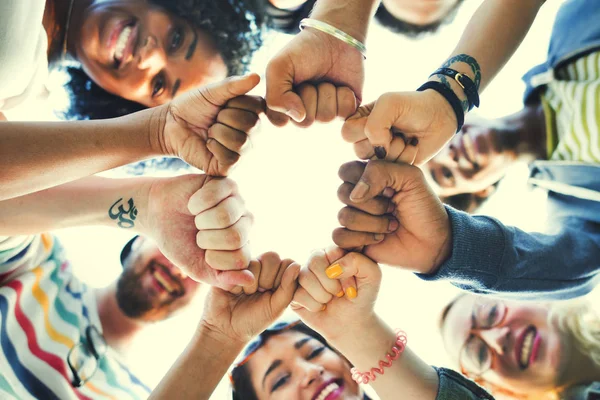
(230, 138)
(231, 238)
(397, 146)
(222, 154)
(211, 194)
(357, 265)
(359, 221)
(364, 150)
(255, 269)
(377, 206)
(228, 260)
(327, 102)
(349, 288)
(303, 299)
(280, 89)
(346, 102)
(220, 93)
(352, 171)
(240, 120)
(227, 280)
(283, 266)
(380, 122)
(350, 240)
(311, 284)
(270, 263)
(254, 104)
(308, 94)
(285, 292)
(227, 213)
(237, 290)
(409, 155)
(362, 111)
(276, 118)
(379, 175)
(317, 263)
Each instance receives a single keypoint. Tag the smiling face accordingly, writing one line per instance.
(295, 366)
(420, 12)
(144, 54)
(150, 287)
(523, 351)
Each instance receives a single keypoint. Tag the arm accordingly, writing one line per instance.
(351, 16)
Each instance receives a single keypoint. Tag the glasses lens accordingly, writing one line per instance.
(83, 362)
(490, 314)
(476, 357)
(97, 341)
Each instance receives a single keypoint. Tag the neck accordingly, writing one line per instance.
(524, 132)
(581, 369)
(117, 328)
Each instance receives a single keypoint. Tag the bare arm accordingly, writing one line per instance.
(351, 16)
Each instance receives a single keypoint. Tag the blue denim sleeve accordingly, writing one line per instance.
(491, 258)
(454, 386)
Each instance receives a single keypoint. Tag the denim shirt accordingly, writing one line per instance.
(454, 386)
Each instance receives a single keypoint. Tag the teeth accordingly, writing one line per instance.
(327, 391)
(526, 349)
(122, 42)
(165, 283)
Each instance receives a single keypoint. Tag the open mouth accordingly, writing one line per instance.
(468, 150)
(165, 281)
(124, 44)
(329, 390)
(527, 347)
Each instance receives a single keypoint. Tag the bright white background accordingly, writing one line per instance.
(290, 180)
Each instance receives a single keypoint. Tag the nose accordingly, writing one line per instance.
(310, 373)
(497, 338)
(152, 57)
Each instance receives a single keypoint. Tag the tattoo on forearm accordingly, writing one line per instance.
(125, 217)
(471, 62)
(444, 81)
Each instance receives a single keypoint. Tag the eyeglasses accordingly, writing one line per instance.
(84, 356)
(476, 357)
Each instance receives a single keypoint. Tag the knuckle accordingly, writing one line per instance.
(345, 217)
(343, 192)
(235, 237)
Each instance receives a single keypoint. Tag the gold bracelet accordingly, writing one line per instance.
(335, 32)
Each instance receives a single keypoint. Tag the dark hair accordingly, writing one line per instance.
(242, 388)
(389, 21)
(236, 26)
(467, 202)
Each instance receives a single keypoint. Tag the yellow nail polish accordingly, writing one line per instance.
(334, 271)
(351, 293)
(324, 307)
(340, 294)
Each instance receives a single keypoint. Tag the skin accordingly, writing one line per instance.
(548, 369)
(302, 371)
(419, 12)
(164, 49)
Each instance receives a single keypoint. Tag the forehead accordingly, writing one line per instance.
(457, 324)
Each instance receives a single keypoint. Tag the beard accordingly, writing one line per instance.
(133, 300)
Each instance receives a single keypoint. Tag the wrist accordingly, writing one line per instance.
(350, 16)
(156, 120)
(209, 334)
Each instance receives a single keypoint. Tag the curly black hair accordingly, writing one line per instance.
(236, 26)
(386, 19)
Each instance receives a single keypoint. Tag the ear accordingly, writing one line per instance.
(485, 193)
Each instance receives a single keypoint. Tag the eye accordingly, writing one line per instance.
(446, 173)
(493, 315)
(482, 354)
(177, 38)
(315, 353)
(280, 382)
(158, 85)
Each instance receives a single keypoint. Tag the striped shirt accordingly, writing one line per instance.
(44, 312)
(572, 110)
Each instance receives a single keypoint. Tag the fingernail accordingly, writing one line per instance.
(261, 290)
(324, 307)
(359, 191)
(295, 115)
(380, 152)
(390, 208)
(378, 237)
(340, 294)
(393, 225)
(351, 293)
(334, 271)
(388, 192)
(414, 141)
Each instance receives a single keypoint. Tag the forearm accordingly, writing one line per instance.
(350, 16)
(88, 201)
(36, 156)
(408, 375)
(199, 368)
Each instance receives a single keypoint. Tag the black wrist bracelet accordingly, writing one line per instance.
(450, 97)
(465, 83)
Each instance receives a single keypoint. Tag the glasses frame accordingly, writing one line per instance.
(475, 331)
(88, 345)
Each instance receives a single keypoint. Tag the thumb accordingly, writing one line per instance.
(220, 93)
(285, 292)
(280, 90)
(227, 280)
(379, 175)
(380, 121)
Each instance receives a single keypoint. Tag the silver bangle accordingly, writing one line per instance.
(335, 32)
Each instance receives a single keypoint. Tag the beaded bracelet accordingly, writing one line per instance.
(397, 349)
(335, 32)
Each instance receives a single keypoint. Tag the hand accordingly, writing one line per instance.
(208, 127)
(323, 102)
(426, 116)
(244, 314)
(353, 131)
(201, 225)
(312, 56)
(343, 303)
(416, 234)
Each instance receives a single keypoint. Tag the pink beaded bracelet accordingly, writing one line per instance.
(397, 349)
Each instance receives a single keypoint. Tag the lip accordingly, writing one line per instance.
(130, 49)
(333, 395)
(165, 272)
(534, 349)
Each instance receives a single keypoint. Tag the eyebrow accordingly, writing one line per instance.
(188, 57)
(277, 363)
